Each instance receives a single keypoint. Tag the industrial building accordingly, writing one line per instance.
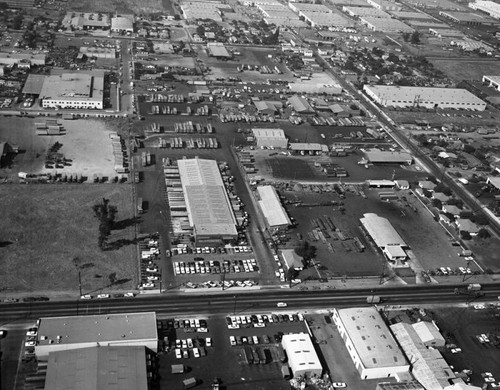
(192, 10)
(218, 50)
(489, 7)
(385, 25)
(292, 259)
(101, 367)
(411, 15)
(428, 365)
(73, 90)
(427, 97)
(369, 342)
(208, 206)
(313, 87)
(274, 213)
(86, 21)
(123, 23)
(323, 19)
(492, 81)
(300, 105)
(359, 12)
(270, 138)
(19, 3)
(468, 18)
(429, 334)
(385, 5)
(302, 357)
(385, 237)
(308, 147)
(66, 333)
(377, 156)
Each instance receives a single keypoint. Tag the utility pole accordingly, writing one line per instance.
(234, 308)
(80, 281)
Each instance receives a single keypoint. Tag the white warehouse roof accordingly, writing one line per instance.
(208, 206)
(269, 133)
(371, 338)
(428, 332)
(302, 356)
(381, 231)
(270, 205)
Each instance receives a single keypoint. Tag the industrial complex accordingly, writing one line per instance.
(431, 98)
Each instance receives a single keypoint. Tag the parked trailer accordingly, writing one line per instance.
(189, 383)
(247, 352)
(139, 206)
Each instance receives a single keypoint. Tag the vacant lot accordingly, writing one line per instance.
(120, 6)
(463, 69)
(48, 232)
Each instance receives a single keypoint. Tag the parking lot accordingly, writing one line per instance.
(224, 356)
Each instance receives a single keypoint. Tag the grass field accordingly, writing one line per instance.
(466, 70)
(46, 231)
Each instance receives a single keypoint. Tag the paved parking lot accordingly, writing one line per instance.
(223, 360)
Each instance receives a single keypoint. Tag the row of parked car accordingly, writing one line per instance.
(150, 272)
(215, 267)
(218, 284)
(261, 320)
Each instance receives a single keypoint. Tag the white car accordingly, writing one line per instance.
(255, 340)
(196, 352)
(29, 343)
(202, 330)
(208, 342)
(147, 285)
(190, 343)
(103, 296)
(281, 304)
(232, 340)
(129, 295)
(479, 307)
(178, 353)
(339, 385)
(86, 297)
(152, 277)
(456, 350)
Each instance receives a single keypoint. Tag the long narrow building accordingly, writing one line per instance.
(208, 206)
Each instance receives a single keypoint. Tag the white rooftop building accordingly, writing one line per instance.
(428, 97)
(270, 138)
(429, 334)
(372, 347)
(66, 333)
(270, 204)
(489, 7)
(493, 81)
(385, 25)
(302, 357)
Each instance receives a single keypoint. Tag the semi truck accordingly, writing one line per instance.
(473, 289)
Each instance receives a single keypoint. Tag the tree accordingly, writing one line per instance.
(464, 235)
(306, 251)
(415, 38)
(437, 203)
(106, 214)
(483, 233)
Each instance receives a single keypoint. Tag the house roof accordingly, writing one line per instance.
(291, 258)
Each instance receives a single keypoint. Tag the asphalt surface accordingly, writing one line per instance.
(240, 302)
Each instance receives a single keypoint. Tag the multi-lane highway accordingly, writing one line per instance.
(240, 302)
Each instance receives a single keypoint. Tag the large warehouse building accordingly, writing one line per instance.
(406, 97)
(73, 90)
(302, 357)
(270, 137)
(385, 237)
(489, 7)
(100, 367)
(369, 341)
(493, 81)
(66, 333)
(270, 204)
(208, 206)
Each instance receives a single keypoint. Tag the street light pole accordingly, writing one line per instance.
(80, 281)
(234, 309)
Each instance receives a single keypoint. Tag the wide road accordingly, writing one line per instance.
(240, 302)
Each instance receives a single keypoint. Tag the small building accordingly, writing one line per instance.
(403, 184)
(218, 50)
(300, 105)
(270, 137)
(427, 185)
(395, 253)
(494, 181)
(429, 334)
(451, 209)
(441, 197)
(492, 81)
(466, 225)
(123, 24)
(266, 107)
(381, 183)
(292, 259)
(274, 213)
(308, 147)
(302, 357)
(67, 333)
(369, 342)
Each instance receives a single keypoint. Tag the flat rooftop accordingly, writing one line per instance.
(271, 206)
(96, 328)
(122, 368)
(73, 86)
(381, 231)
(372, 338)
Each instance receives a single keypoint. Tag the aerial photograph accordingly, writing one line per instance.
(249, 194)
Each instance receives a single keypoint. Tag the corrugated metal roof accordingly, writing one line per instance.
(271, 206)
(381, 231)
